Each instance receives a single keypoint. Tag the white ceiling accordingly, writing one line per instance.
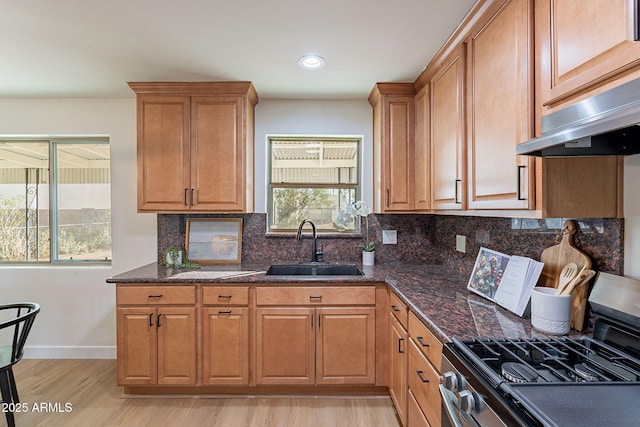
(91, 48)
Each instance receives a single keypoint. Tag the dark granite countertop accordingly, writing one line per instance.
(434, 292)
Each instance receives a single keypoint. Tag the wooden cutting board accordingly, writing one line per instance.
(554, 259)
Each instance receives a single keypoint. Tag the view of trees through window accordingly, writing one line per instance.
(312, 178)
(55, 200)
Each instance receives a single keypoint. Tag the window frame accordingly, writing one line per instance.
(54, 142)
(358, 139)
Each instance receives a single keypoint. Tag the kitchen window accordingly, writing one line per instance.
(55, 200)
(313, 177)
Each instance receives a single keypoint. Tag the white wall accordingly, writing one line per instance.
(77, 318)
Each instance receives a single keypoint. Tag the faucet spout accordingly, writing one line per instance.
(314, 245)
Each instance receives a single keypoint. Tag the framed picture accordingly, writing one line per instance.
(214, 240)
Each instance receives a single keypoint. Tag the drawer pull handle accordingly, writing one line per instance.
(423, 379)
(315, 297)
(228, 313)
(400, 350)
(394, 308)
(422, 343)
(155, 296)
(224, 296)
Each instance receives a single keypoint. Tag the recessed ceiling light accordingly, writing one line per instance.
(311, 62)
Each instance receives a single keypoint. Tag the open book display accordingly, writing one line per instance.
(505, 280)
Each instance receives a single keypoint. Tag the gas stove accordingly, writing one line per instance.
(550, 381)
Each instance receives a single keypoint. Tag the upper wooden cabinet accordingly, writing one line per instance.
(400, 181)
(195, 146)
(582, 45)
(500, 108)
(448, 175)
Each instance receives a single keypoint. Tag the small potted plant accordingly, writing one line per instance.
(360, 209)
(173, 256)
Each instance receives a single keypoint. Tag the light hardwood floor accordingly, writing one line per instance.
(84, 393)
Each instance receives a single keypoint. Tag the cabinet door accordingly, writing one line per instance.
(422, 178)
(226, 345)
(583, 43)
(163, 152)
(447, 131)
(176, 345)
(137, 345)
(217, 153)
(500, 109)
(285, 342)
(398, 360)
(346, 345)
(399, 153)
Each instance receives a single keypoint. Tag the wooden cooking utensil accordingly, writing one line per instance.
(554, 259)
(567, 274)
(579, 280)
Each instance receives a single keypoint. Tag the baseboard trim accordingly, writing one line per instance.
(69, 352)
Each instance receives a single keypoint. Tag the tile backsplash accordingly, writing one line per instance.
(421, 238)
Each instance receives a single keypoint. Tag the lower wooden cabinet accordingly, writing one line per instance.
(156, 345)
(285, 345)
(424, 360)
(328, 345)
(423, 384)
(225, 342)
(156, 335)
(244, 338)
(225, 335)
(398, 362)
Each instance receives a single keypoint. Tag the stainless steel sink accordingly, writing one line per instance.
(314, 270)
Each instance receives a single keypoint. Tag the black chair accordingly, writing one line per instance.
(18, 327)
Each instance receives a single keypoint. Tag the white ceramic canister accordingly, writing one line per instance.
(550, 313)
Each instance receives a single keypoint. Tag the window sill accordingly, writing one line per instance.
(329, 235)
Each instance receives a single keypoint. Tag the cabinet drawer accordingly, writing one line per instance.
(399, 309)
(155, 295)
(423, 383)
(317, 295)
(225, 295)
(415, 416)
(425, 341)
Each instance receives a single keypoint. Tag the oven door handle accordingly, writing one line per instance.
(451, 409)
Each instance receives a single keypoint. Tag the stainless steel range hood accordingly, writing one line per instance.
(606, 124)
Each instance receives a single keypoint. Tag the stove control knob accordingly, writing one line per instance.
(453, 381)
(470, 402)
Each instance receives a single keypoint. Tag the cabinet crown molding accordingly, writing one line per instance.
(196, 88)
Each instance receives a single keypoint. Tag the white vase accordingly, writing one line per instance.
(368, 258)
(169, 259)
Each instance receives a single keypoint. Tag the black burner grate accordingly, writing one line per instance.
(553, 359)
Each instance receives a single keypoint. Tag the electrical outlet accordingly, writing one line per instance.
(461, 243)
(389, 237)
